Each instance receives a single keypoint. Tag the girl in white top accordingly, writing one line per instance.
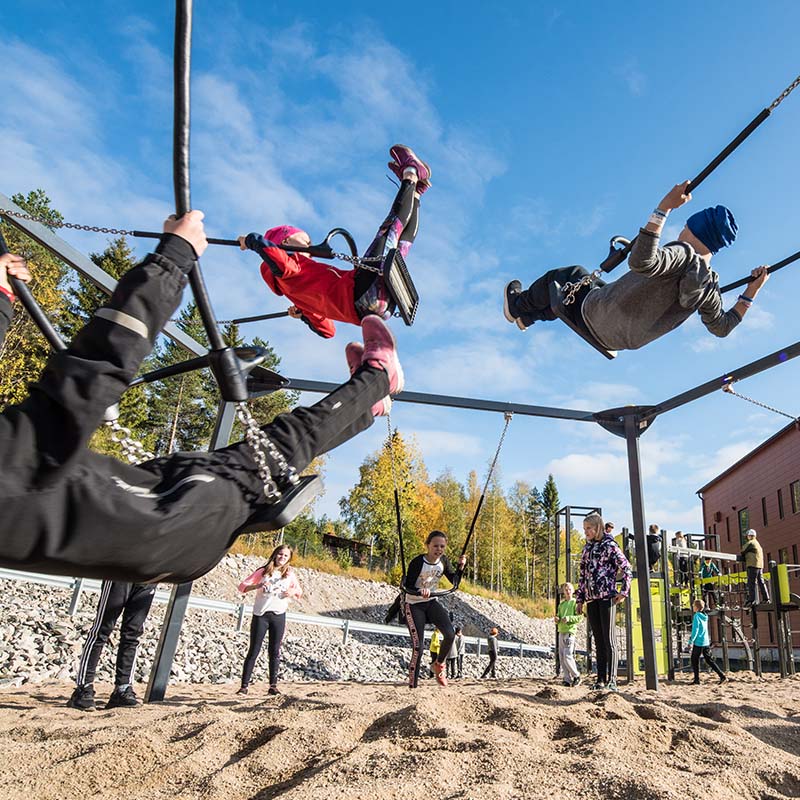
(275, 584)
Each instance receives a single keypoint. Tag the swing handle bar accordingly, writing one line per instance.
(774, 268)
(616, 257)
(34, 310)
(321, 250)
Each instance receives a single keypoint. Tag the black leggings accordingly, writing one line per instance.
(259, 625)
(490, 667)
(416, 616)
(68, 510)
(399, 230)
(601, 614)
(705, 652)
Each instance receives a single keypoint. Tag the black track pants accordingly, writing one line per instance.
(755, 578)
(133, 601)
(260, 626)
(535, 301)
(490, 667)
(416, 616)
(67, 510)
(705, 652)
(601, 614)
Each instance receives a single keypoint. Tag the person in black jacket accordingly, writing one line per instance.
(422, 577)
(67, 510)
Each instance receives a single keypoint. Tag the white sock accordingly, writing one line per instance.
(410, 174)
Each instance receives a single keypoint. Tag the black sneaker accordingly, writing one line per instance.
(723, 678)
(123, 698)
(577, 681)
(696, 682)
(510, 312)
(82, 698)
(273, 690)
(598, 686)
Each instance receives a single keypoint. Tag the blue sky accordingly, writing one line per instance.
(549, 128)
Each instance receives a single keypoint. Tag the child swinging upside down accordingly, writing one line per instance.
(664, 287)
(321, 293)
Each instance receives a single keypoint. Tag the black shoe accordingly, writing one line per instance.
(696, 682)
(576, 681)
(243, 690)
(510, 312)
(723, 678)
(273, 690)
(598, 686)
(123, 698)
(82, 698)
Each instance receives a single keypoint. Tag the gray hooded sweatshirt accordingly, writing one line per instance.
(664, 287)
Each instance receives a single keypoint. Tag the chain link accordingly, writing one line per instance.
(48, 223)
(264, 448)
(571, 290)
(730, 390)
(508, 417)
(786, 92)
(363, 263)
(133, 450)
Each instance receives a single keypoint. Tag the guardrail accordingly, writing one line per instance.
(239, 610)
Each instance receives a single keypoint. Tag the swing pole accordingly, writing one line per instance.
(616, 257)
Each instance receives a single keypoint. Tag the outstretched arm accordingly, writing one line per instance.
(279, 261)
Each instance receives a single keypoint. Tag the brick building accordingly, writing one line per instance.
(760, 491)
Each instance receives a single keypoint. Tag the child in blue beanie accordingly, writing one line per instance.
(700, 641)
(662, 289)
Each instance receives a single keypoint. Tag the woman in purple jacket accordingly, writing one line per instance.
(601, 562)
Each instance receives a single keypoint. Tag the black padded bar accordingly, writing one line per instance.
(34, 310)
(774, 268)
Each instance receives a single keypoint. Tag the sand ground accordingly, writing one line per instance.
(504, 739)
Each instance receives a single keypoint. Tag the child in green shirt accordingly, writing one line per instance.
(567, 620)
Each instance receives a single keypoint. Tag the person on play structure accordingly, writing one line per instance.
(664, 287)
(68, 510)
(320, 292)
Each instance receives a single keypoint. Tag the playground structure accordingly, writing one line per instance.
(737, 629)
(237, 386)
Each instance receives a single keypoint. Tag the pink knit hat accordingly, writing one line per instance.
(277, 235)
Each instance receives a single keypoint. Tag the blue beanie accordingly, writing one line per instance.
(714, 227)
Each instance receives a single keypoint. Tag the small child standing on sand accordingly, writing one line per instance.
(700, 641)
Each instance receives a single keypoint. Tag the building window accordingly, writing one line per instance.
(728, 528)
(783, 555)
(744, 523)
(780, 504)
(794, 553)
(764, 511)
(794, 488)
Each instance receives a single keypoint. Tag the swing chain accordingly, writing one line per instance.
(263, 448)
(49, 223)
(571, 290)
(786, 92)
(362, 262)
(133, 450)
(728, 388)
(357, 261)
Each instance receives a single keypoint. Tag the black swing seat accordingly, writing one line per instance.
(290, 505)
(399, 285)
(572, 317)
